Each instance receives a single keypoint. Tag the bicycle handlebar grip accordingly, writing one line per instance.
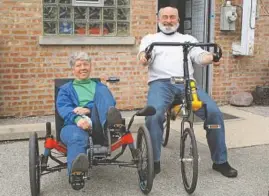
(196, 103)
(148, 51)
(217, 53)
(148, 56)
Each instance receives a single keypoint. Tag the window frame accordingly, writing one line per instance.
(73, 39)
(99, 3)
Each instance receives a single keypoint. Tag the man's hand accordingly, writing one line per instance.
(208, 59)
(81, 111)
(84, 124)
(216, 63)
(142, 58)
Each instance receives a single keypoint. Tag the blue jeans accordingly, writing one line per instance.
(76, 141)
(160, 96)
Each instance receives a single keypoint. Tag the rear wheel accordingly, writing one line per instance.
(145, 160)
(166, 128)
(189, 160)
(34, 165)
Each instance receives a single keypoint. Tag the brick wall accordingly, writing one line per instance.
(238, 74)
(27, 69)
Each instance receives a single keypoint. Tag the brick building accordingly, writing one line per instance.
(37, 36)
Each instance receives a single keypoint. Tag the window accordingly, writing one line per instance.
(65, 17)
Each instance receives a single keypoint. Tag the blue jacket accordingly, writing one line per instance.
(67, 101)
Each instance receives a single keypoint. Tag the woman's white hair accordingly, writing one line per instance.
(78, 56)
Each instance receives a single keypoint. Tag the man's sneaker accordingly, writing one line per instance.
(114, 117)
(225, 169)
(157, 167)
(78, 171)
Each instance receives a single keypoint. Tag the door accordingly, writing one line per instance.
(196, 23)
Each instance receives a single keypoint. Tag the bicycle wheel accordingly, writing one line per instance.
(145, 165)
(189, 160)
(34, 165)
(166, 128)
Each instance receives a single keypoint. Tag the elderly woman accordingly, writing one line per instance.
(83, 104)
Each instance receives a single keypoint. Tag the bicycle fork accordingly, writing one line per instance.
(183, 135)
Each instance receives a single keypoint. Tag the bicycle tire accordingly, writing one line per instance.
(145, 177)
(34, 165)
(189, 186)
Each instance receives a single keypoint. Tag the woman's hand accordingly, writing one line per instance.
(81, 111)
(84, 124)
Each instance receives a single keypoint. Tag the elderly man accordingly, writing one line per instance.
(85, 105)
(166, 62)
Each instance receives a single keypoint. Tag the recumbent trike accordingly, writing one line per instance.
(185, 104)
(99, 153)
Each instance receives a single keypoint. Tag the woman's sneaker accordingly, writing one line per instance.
(78, 171)
(114, 117)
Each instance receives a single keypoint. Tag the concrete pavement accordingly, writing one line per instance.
(251, 162)
(249, 129)
(247, 139)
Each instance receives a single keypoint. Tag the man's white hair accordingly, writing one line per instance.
(160, 10)
(78, 56)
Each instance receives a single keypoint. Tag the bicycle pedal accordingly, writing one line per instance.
(77, 181)
(86, 177)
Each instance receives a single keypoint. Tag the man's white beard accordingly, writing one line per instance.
(168, 29)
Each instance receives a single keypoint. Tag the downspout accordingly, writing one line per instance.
(246, 46)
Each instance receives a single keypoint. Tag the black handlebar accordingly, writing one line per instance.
(217, 49)
(113, 79)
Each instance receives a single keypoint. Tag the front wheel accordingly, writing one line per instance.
(145, 165)
(189, 160)
(34, 165)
